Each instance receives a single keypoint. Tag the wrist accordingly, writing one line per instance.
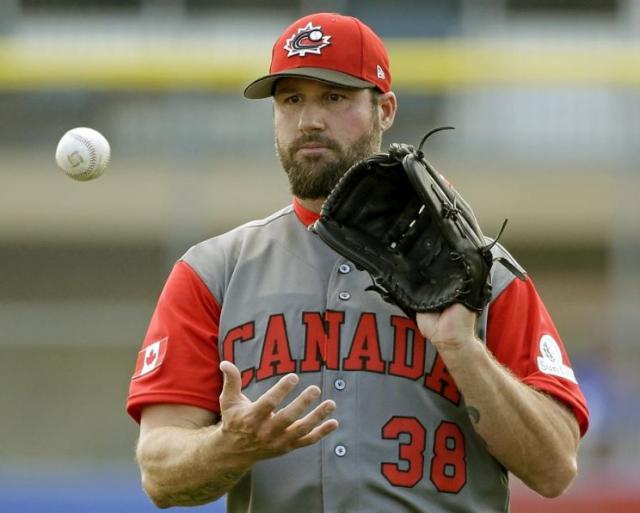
(222, 443)
(461, 353)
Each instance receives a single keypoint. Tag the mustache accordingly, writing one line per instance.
(316, 139)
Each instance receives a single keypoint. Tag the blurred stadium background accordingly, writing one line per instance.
(545, 96)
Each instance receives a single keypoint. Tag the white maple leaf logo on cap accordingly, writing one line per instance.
(308, 39)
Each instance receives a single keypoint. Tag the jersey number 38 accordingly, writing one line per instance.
(448, 471)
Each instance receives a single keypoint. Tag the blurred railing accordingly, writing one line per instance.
(226, 62)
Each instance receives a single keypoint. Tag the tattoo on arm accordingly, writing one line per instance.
(474, 414)
(207, 493)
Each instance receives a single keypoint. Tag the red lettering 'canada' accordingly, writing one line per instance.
(365, 348)
(407, 364)
(441, 382)
(322, 340)
(241, 333)
(276, 356)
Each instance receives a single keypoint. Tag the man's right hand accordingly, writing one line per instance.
(258, 430)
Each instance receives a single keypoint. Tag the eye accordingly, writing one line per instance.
(334, 97)
(292, 99)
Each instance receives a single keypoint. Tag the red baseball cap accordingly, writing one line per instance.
(328, 47)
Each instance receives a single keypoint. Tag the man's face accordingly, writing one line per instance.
(320, 131)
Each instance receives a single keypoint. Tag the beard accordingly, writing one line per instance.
(313, 177)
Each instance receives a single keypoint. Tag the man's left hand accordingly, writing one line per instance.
(451, 329)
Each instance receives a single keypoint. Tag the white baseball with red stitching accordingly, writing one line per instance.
(83, 153)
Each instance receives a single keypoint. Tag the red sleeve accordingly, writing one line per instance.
(179, 359)
(523, 337)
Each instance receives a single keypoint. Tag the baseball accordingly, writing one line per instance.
(83, 154)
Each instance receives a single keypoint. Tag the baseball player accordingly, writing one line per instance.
(270, 373)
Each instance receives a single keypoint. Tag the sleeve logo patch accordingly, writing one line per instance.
(550, 359)
(151, 357)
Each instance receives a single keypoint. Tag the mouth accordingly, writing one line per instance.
(313, 146)
(313, 149)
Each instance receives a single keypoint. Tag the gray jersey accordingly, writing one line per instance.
(405, 442)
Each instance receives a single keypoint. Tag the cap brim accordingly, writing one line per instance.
(263, 86)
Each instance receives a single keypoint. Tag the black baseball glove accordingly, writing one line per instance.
(399, 219)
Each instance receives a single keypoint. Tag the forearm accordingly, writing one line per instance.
(187, 467)
(529, 433)
(187, 461)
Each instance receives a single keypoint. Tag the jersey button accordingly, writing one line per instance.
(340, 384)
(345, 296)
(340, 450)
(344, 269)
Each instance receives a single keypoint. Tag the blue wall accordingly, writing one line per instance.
(114, 489)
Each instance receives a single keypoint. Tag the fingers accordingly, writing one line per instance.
(303, 427)
(317, 433)
(452, 328)
(427, 323)
(262, 426)
(290, 424)
(232, 384)
(296, 409)
(266, 404)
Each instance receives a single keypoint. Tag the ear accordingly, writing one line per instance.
(387, 107)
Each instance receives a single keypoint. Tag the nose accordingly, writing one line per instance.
(311, 118)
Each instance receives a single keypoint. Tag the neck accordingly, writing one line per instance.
(315, 205)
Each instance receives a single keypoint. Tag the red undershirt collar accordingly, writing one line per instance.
(305, 215)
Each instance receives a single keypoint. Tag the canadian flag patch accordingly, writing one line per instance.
(151, 357)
